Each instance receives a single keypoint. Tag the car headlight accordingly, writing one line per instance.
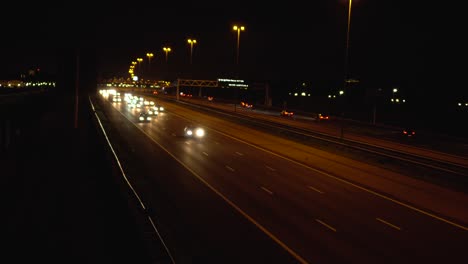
(199, 132)
(161, 108)
(188, 132)
(148, 118)
(142, 118)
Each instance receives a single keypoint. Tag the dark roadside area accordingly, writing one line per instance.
(63, 197)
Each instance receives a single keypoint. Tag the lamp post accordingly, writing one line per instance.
(191, 42)
(166, 50)
(347, 44)
(238, 29)
(139, 65)
(150, 56)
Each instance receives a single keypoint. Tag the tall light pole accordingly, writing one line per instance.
(150, 56)
(139, 65)
(347, 45)
(191, 42)
(166, 50)
(238, 29)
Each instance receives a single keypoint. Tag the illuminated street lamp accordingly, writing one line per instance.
(150, 56)
(166, 50)
(191, 42)
(238, 29)
(139, 63)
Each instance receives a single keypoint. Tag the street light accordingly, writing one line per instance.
(347, 43)
(191, 42)
(166, 50)
(238, 29)
(139, 64)
(150, 56)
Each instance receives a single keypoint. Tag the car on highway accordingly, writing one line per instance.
(322, 117)
(152, 111)
(408, 132)
(246, 105)
(286, 113)
(144, 117)
(194, 131)
(158, 107)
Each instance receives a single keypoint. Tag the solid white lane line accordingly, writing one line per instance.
(204, 153)
(328, 226)
(240, 154)
(126, 179)
(229, 168)
(270, 168)
(387, 223)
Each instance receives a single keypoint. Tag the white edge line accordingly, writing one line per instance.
(128, 183)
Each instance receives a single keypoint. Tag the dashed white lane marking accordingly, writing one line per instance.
(315, 189)
(387, 223)
(266, 190)
(328, 226)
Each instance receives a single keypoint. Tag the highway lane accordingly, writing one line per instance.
(314, 214)
(436, 146)
(195, 224)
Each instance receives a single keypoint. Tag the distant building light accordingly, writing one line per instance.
(459, 104)
(329, 96)
(395, 90)
(404, 101)
(308, 94)
(391, 99)
(341, 92)
(135, 78)
(295, 94)
(303, 94)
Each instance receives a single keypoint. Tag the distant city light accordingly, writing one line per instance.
(135, 78)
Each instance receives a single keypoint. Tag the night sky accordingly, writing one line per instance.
(392, 43)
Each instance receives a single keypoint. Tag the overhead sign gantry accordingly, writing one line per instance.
(195, 83)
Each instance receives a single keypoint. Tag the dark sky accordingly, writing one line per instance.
(392, 42)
